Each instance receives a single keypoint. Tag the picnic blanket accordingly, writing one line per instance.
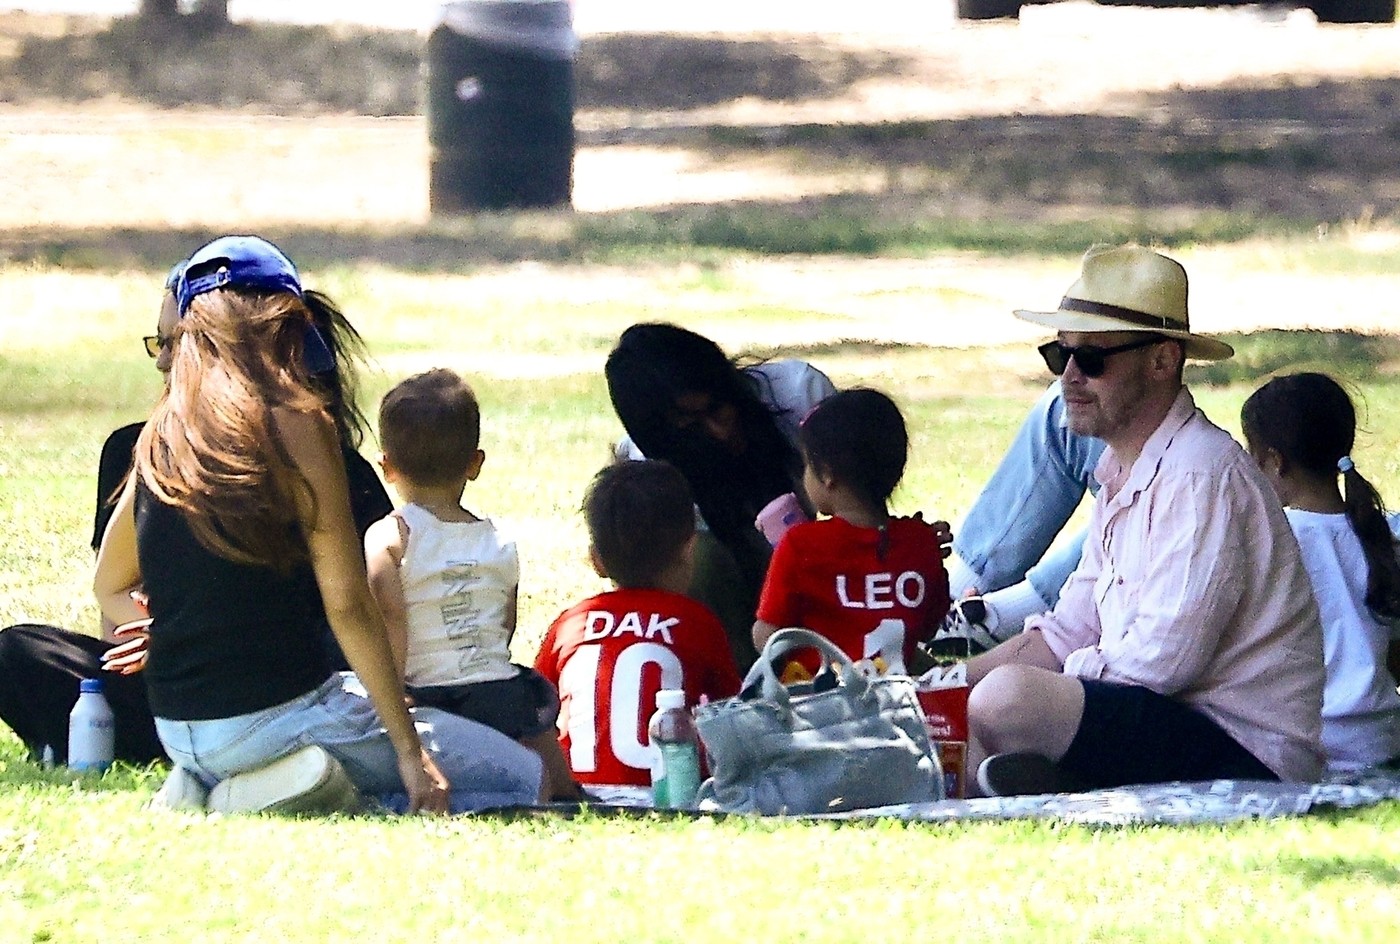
(1213, 801)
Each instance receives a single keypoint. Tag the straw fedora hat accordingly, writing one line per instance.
(1128, 288)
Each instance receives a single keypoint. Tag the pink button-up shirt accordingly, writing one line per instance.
(1192, 585)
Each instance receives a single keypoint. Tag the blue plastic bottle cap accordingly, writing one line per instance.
(89, 685)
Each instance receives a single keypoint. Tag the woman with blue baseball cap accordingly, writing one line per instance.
(236, 522)
(41, 665)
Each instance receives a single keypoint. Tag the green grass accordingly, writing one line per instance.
(81, 860)
(526, 306)
(86, 863)
(708, 236)
(845, 226)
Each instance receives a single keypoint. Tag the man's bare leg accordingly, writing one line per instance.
(1023, 708)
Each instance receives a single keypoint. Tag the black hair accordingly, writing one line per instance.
(858, 437)
(639, 516)
(1310, 421)
(340, 385)
(649, 369)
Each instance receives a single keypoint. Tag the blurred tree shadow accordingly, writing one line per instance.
(1353, 870)
(1262, 354)
(1168, 167)
(660, 71)
(1323, 152)
(291, 69)
(181, 61)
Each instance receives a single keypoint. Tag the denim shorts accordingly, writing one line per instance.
(484, 767)
(1130, 734)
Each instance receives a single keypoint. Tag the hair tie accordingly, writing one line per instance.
(1345, 465)
(882, 543)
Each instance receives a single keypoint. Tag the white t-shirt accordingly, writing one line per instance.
(1360, 706)
(458, 580)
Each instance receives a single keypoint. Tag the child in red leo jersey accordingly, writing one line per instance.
(871, 583)
(610, 654)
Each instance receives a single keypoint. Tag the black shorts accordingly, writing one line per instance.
(519, 707)
(1130, 734)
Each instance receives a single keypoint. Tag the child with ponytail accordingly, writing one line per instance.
(1300, 428)
(871, 583)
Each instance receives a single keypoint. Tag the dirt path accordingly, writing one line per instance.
(1078, 112)
(1077, 108)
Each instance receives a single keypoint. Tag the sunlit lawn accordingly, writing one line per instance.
(85, 862)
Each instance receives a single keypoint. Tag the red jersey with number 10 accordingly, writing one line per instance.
(829, 577)
(609, 656)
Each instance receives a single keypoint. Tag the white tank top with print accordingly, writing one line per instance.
(458, 580)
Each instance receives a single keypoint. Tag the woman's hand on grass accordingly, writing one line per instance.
(427, 788)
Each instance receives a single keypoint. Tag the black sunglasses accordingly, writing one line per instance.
(1092, 359)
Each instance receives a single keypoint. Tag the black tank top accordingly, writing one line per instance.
(227, 638)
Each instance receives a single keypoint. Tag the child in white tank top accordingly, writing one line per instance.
(447, 580)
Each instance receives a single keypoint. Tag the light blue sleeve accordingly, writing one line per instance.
(1026, 503)
(1049, 575)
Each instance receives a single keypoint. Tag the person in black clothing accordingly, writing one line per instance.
(42, 665)
(236, 526)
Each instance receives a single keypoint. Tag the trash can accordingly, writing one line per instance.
(501, 105)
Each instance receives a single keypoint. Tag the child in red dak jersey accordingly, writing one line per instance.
(612, 653)
(872, 584)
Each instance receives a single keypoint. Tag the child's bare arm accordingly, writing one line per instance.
(761, 631)
(384, 546)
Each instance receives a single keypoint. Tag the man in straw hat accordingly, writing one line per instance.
(1186, 645)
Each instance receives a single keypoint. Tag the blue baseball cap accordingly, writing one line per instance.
(172, 278)
(247, 262)
(239, 262)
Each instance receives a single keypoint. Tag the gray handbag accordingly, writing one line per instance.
(843, 741)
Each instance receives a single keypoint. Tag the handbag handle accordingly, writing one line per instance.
(797, 638)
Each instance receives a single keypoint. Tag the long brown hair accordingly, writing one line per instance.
(210, 448)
